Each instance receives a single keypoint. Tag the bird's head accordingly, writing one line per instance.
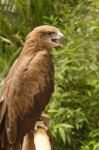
(47, 37)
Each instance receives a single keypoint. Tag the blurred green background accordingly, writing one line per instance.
(74, 107)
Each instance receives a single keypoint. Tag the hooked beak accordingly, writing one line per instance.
(61, 39)
(60, 35)
(58, 39)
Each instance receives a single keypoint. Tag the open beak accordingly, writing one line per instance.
(58, 39)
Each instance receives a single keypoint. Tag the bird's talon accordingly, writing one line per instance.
(40, 124)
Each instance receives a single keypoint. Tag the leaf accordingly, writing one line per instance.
(62, 134)
(67, 126)
(94, 133)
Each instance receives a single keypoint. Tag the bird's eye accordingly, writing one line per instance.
(49, 33)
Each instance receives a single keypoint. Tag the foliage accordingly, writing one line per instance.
(74, 107)
(75, 100)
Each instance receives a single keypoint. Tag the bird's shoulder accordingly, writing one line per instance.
(27, 77)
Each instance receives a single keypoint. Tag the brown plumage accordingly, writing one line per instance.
(28, 86)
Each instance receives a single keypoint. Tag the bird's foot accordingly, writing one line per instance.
(41, 125)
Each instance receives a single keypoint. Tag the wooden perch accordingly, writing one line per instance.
(39, 139)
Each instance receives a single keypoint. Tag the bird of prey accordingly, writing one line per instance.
(39, 138)
(28, 86)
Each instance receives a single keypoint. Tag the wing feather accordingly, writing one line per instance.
(2, 99)
(29, 81)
